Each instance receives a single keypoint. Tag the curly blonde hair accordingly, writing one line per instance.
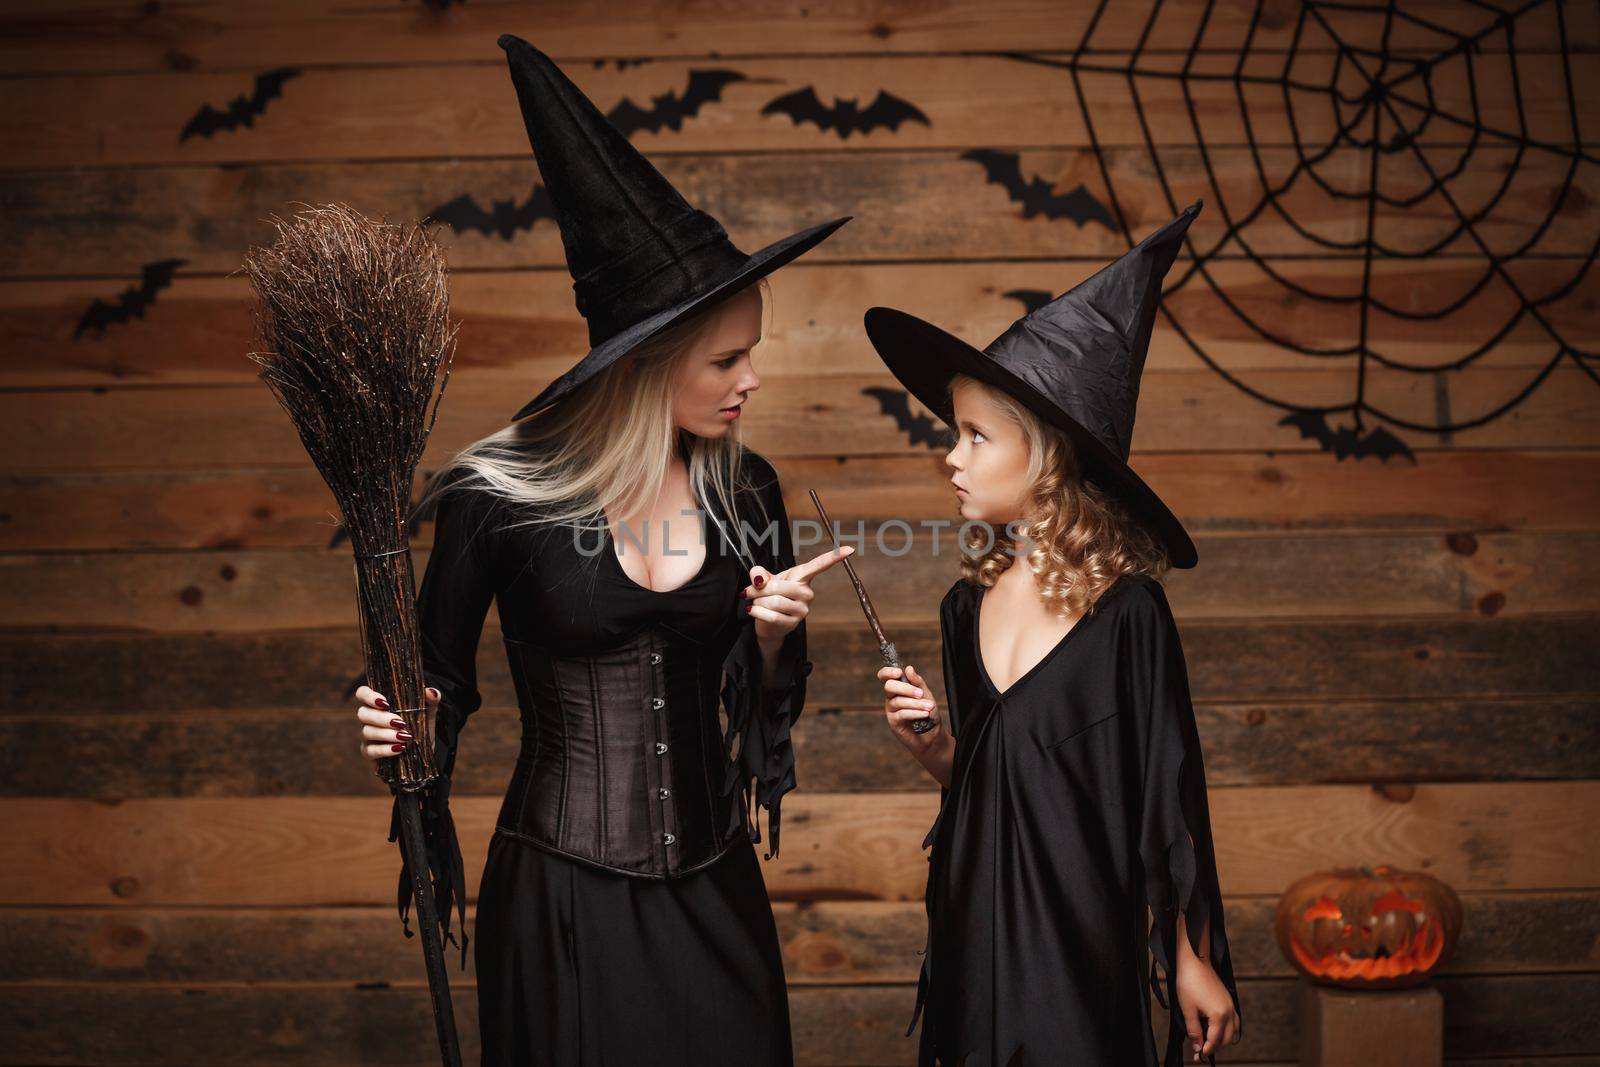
(1082, 539)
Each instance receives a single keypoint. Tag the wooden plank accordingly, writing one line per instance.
(230, 1027)
(292, 752)
(1507, 1015)
(1443, 491)
(852, 942)
(331, 850)
(960, 101)
(70, 35)
(1453, 740)
(520, 326)
(830, 415)
(1243, 577)
(827, 942)
(907, 205)
(858, 1026)
(1246, 660)
(1527, 1061)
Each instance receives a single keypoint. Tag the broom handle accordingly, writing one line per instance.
(391, 647)
(444, 1017)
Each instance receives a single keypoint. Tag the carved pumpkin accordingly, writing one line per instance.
(1368, 927)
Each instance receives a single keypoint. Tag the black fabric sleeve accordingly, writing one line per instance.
(452, 603)
(950, 709)
(952, 716)
(947, 657)
(762, 708)
(1175, 844)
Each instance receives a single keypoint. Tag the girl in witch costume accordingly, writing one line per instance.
(1072, 786)
(643, 569)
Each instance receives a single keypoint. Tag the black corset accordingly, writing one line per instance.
(606, 776)
(622, 763)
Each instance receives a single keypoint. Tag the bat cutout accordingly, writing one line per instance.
(242, 110)
(919, 429)
(668, 110)
(1347, 440)
(1037, 196)
(131, 304)
(1030, 299)
(886, 111)
(505, 218)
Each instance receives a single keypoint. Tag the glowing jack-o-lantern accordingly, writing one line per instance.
(1368, 927)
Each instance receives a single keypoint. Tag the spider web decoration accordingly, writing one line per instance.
(1404, 133)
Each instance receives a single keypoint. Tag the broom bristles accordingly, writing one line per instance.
(355, 340)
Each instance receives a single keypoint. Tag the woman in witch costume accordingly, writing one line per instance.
(1072, 787)
(643, 569)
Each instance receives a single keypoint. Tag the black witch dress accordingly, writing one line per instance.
(622, 915)
(1073, 799)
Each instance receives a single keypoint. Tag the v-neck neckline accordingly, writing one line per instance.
(705, 563)
(705, 566)
(977, 648)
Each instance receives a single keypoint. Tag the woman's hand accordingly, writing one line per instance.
(780, 602)
(1208, 1012)
(905, 700)
(382, 731)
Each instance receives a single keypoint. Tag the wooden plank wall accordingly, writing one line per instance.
(1393, 661)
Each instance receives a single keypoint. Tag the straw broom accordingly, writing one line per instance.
(354, 339)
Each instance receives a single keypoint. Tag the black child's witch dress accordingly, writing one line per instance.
(622, 916)
(1078, 793)
(1073, 792)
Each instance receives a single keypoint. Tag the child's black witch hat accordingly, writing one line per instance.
(640, 256)
(1075, 362)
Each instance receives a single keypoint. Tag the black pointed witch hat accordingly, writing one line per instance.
(640, 256)
(1075, 362)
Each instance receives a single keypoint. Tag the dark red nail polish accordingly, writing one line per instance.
(760, 581)
(401, 735)
(748, 608)
(399, 748)
(398, 724)
(382, 703)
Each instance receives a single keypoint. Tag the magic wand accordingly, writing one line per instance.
(891, 655)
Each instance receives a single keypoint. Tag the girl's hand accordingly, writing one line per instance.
(382, 731)
(780, 602)
(1208, 1012)
(905, 700)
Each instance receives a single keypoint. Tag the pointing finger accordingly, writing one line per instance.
(810, 569)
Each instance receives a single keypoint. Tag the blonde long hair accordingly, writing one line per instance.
(607, 445)
(1082, 539)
